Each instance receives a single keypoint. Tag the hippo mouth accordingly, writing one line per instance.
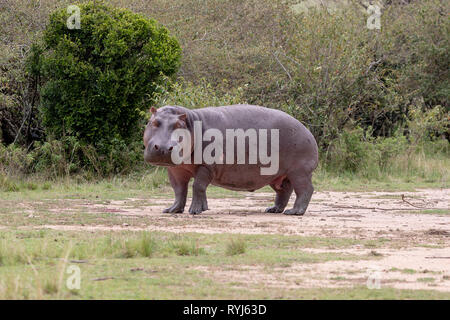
(166, 164)
(157, 160)
(162, 164)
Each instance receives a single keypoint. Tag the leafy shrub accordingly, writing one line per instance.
(97, 79)
(57, 157)
(349, 152)
(326, 57)
(356, 151)
(117, 157)
(7, 184)
(427, 125)
(15, 160)
(388, 149)
(18, 113)
(231, 40)
(416, 45)
(66, 156)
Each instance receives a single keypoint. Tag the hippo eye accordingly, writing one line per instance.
(155, 123)
(177, 125)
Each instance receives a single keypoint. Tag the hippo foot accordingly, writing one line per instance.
(198, 208)
(295, 212)
(274, 209)
(173, 209)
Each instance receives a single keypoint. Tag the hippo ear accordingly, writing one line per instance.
(153, 110)
(182, 117)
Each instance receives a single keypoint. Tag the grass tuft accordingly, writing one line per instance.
(185, 248)
(236, 247)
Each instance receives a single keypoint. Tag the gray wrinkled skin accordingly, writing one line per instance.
(298, 155)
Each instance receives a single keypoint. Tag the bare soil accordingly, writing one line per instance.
(415, 225)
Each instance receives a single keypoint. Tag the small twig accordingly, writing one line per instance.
(373, 64)
(279, 62)
(202, 38)
(26, 115)
(102, 279)
(79, 261)
(437, 232)
(404, 200)
(299, 65)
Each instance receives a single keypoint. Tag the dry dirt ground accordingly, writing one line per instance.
(414, 225)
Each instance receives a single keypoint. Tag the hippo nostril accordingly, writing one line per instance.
(156, 147)
(171, 148)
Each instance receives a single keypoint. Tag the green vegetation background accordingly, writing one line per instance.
(376, 100)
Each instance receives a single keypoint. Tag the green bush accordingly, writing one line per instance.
(14, 160)
(55, 158)
(356, 151)
(416, 47)
(67, 156)
(350, 151)
(326, 56)
(427, 125)
(388, 149)
(97, 80)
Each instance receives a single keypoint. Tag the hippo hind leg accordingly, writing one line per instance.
(303, 189)
(284, 192)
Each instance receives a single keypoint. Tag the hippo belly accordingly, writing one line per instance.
(243, 177)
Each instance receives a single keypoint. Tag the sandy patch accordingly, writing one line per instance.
(416, 268)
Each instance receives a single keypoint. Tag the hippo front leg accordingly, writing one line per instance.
(202, 179)
(179, 180)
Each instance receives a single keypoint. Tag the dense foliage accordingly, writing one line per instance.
(370, 97)
(96, 80)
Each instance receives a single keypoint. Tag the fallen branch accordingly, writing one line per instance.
(404, 200)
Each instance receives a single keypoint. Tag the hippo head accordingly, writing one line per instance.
(158, 132)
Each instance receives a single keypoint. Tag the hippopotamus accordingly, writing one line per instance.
(296, 151)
